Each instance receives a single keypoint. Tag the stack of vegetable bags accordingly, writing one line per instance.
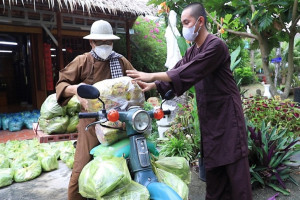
(173, 171)
(19, 120)
(25, 160)
(57, 119)
(108, 177)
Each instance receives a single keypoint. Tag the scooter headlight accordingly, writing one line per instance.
(141, 121)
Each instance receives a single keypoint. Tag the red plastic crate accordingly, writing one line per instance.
(45, 138)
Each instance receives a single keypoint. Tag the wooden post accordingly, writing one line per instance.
(60, 59)
(128, 42)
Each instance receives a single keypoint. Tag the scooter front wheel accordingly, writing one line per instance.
(160, 191)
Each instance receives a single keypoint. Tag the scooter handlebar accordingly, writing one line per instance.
(167, 112)
(88, 115)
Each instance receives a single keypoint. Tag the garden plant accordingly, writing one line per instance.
(270, 150)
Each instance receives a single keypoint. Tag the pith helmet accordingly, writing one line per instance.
(101, 30)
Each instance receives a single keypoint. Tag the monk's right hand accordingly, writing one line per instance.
(139, 76)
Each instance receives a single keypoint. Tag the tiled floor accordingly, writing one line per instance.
(24, 134)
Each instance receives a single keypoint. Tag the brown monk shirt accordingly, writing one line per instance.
(223, 132)
(85, 69)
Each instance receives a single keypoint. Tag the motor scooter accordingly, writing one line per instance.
(137, 121)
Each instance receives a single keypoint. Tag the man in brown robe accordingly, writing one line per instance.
(224, 138)
(99, 64)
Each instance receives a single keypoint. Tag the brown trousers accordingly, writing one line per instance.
(229, 182)
(85, 142)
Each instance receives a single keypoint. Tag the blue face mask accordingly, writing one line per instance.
(189, 33)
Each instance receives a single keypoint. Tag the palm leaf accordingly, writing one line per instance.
(265, 21)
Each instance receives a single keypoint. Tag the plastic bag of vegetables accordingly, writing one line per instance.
(119, 92)
(175, 165)
(48, 161)
(27, 170)
(73, 106)
(108, 136)
(51, 109)
(134, 191)
(4, 162)
(54, 125)
(15, 124)
(73, 122)
(173, 181)
(67, 152)
(103, 175)
(6, 176)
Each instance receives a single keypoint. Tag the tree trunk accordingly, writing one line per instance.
(263, 45)
(290, 68)
(252, 60)
(292, 34)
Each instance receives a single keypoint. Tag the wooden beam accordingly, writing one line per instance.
(20, 29)
(71, 33)
(128, 42)
(60, 58)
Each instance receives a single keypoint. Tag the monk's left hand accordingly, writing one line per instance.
(139, 76)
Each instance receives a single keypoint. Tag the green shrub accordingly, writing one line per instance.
(149, 49)
(244, 73)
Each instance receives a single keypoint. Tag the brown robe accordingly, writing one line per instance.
(223, 132)
(84, 69)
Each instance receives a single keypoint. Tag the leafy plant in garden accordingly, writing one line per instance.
(184, 133)
(283, 114)
(244, 74)
(149, 49)
(270, 150)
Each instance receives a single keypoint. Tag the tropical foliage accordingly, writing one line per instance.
(184, 133)
(269, 157)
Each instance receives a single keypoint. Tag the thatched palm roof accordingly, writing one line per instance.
(137, 7)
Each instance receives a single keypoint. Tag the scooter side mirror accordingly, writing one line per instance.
(169, 95)
(88, 92)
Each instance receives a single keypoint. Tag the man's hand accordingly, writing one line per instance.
(148, 77)
(139, 76)
(146, 86)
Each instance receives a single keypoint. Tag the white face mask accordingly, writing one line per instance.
(189, 33)
(103, 51)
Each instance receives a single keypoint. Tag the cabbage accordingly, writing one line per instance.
(174, 182)
(175, 165)
(48, 162)
(4, 162)
(73, 106)
(134, 191)
(27, 170)
(6, 176)
(103, 175)
(50, 108)
(108, 136)
(73, 122)
(54, 125)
